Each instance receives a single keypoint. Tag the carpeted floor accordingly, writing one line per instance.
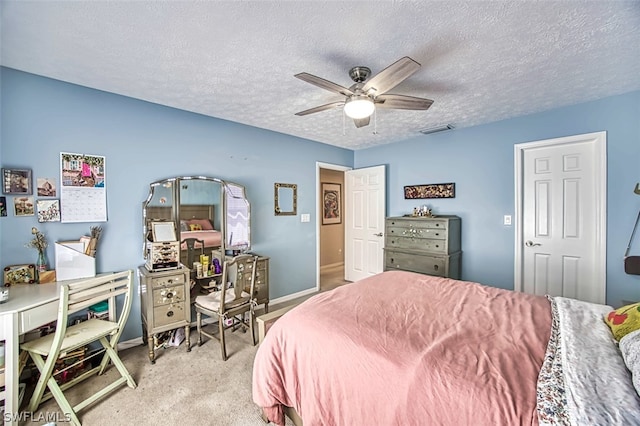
(195, 388)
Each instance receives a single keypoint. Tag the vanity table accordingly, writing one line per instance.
(211, 217)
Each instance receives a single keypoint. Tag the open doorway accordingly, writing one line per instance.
(331, 224)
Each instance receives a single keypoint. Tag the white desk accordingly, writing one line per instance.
(29, 307)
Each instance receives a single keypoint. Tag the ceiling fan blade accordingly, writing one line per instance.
(361, 122)
(402, 102)
(324, 84)
(391, 76)
(320, 108)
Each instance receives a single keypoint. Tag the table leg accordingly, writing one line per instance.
(187, 333)
(153, 342)
(12, 377)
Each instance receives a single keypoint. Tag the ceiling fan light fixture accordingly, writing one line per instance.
(359, 106)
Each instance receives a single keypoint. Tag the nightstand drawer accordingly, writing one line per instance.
(169, 314)
(164, 295)
(171, 280)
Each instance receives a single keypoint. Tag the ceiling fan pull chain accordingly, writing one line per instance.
(375, 121)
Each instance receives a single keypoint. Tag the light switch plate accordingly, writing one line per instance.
(507, 219)
(305, 217)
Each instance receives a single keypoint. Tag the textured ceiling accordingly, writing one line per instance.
(482, 61)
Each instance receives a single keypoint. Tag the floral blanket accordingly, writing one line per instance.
(583, 379)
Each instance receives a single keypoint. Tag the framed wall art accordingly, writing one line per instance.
(23, 206)
(48, 210)
(19, 274)
(16, 181)
(434, 190)
(331, 203)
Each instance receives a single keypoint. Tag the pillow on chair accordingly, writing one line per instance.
(211, 301)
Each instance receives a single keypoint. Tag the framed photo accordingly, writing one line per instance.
(331, 203)
(16, 181)
(46, 187)
(48, 210)
(23, 206)
(20, 274)
(3, 206)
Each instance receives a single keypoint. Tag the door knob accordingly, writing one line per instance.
(379, 234)
(530, 243)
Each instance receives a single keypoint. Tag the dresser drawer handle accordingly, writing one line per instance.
(170, 313)
(435, 267)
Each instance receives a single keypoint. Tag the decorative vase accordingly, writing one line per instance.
(41, 265)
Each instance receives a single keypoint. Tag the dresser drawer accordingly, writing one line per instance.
(170, 280)
(417, 232)
(164, 295)
(424, 223)
(425, 264)
(431, 245)
(169, 314)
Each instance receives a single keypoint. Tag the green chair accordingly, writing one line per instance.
(77, 296)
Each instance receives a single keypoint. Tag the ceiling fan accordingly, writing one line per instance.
(367, 94)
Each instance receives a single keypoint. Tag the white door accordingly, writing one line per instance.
(561, 227)
(365, 208)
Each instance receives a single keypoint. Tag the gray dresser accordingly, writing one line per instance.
(428, 245)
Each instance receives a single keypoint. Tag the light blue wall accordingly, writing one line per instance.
(145, 142)
(480, 160)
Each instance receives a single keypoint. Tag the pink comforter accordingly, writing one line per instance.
(401, 348)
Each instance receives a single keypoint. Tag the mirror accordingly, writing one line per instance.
(285, 199)
(214, 212)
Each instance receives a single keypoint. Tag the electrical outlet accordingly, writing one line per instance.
(305, 217)
(507, 219)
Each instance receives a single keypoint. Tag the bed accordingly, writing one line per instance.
(400, 348)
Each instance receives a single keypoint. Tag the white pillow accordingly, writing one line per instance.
(630, 348)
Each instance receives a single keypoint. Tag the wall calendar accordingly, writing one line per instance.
(83, 196)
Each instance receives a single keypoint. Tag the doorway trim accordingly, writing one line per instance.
(319, 166)
(600, 188)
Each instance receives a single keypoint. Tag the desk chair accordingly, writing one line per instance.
(232, 303)
(75, 296)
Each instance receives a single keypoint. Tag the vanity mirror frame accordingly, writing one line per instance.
(280, 189)
(228, 191)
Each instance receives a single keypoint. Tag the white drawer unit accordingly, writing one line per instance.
(429, 246)
(164, 304)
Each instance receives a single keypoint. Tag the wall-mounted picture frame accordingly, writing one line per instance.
(434, 190)
(46, 186)
(23, 206)
(16, 181)
(331, 203)
(19, 274)
(48, 210)
(3, 206)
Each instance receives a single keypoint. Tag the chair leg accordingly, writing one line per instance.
(46, 380)
(252, 319)
(223, 348)
(199, 326)
(118, 362)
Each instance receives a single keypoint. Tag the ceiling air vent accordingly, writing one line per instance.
(436, 129)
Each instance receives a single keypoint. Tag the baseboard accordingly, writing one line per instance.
(130, 343)
(292, 296)
(331, 266)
